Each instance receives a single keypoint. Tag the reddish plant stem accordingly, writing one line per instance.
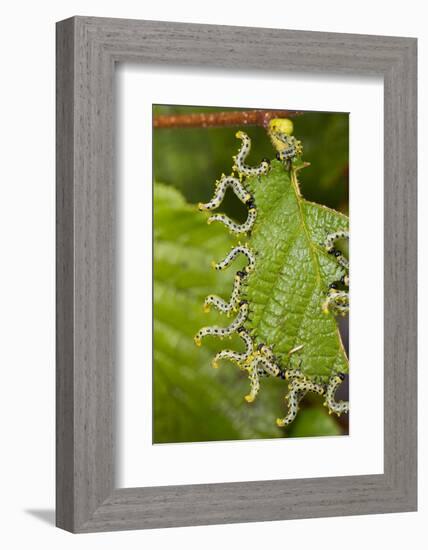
(218, 119)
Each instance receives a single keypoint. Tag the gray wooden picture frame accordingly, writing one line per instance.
(87, 51)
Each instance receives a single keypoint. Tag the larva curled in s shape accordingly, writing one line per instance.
(337, 300)
(221, 186)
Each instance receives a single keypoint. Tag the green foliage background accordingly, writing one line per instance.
(192, 401)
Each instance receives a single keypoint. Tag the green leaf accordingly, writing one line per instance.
(293, 272)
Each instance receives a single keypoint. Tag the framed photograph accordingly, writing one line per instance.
(236, 274)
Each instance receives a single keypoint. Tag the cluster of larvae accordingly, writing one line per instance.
(260, 361)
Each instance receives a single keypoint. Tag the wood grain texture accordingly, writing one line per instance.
(87, 50)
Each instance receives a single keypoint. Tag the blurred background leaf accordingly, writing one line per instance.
(192, 401)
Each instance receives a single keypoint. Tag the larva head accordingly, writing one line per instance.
(280, 126)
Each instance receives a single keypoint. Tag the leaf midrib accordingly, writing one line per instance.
(299, 201)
